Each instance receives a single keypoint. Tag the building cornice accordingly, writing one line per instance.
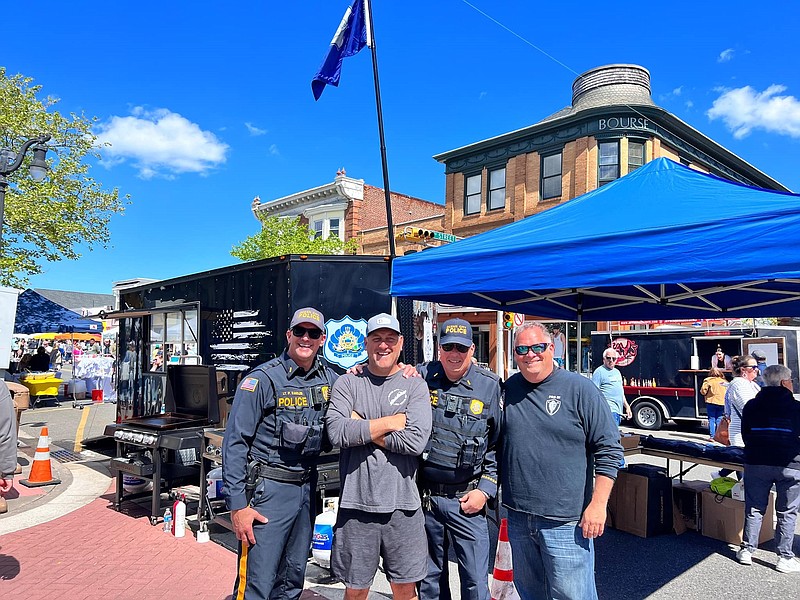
(342, 190)
(641, 120)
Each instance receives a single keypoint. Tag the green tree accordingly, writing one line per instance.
(279, 236)
(50, 220)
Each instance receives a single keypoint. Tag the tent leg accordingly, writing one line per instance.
(578, 355)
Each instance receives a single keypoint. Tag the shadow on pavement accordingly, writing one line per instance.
(9, 567)
(642, 566)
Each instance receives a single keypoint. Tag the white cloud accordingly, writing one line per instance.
(689, 104)
(273, 150)
(725, 55)
(255, 131)
(677, 91)
(160, 143)
(744, 109)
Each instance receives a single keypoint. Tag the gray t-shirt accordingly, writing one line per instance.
(375, 479)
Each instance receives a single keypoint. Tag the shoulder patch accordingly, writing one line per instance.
(249, 385)
(476, 407)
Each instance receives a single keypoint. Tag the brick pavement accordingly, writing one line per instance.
(96, 552)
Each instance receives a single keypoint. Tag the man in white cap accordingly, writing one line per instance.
(381, 421)
(272, 441)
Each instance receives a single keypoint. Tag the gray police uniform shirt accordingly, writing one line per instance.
(466, 427)
(250, 433)
(375, 479)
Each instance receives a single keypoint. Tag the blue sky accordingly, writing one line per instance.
(209, 104)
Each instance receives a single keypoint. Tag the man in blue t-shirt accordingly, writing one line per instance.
(608, 378)
(560, 454)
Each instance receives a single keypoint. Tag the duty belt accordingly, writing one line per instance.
(283, 475)
(448, 489)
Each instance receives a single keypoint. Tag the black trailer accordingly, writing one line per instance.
(229, 320)
(234, 318)
(663, 369)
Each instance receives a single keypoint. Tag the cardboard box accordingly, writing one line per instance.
(723, 518)
(688, 503)
(641, 501)
(629, 441)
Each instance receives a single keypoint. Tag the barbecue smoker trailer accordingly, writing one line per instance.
(226, 321)
(664, 369)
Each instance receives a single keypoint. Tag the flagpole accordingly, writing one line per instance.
(384, 163)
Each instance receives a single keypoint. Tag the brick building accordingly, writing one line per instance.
(611, 128)
(350, 208)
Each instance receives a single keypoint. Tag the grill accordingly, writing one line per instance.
(165, 448)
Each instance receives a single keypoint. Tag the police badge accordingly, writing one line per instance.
(552, 405)
(344, 343)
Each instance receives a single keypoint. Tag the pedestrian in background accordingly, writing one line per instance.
(8, 444)
(720, 360)
(771, 433)
(559, 345)
(740, 391)
(560, 452)
(761, 360)
(713, 390)
(381, 420)
(608, 379)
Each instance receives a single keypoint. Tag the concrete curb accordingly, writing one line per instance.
(82, 485)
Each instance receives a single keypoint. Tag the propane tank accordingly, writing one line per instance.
(179, 517)
(323, 533)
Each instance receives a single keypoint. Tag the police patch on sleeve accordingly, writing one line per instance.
(249, 385)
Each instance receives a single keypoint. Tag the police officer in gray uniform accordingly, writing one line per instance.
(272, 442)
(458, 474)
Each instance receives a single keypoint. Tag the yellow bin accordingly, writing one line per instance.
(42, 386)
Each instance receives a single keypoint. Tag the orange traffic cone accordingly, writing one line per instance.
(502, 587)
(40, 470)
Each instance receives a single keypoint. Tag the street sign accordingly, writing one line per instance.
(445, 237)
(519, 319)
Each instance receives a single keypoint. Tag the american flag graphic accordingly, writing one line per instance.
(237, 340)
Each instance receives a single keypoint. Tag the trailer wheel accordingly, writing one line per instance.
(647, 415)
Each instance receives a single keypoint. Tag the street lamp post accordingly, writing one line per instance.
(10, 162)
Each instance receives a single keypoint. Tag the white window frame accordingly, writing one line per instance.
(324, 215)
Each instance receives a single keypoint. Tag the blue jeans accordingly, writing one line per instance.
(758, 483)
(551, 558)
(714, 412)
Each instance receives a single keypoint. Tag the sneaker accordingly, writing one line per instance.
(3, 505)
(787, 565)
(745, 557)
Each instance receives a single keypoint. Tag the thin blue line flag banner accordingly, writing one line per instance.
(349, 39)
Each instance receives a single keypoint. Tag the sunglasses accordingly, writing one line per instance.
(609, 358)
(313, 333)
(751, 367)
(458, 347)
(536, 348)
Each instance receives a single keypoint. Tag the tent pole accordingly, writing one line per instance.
(578, 356)
(499, 345)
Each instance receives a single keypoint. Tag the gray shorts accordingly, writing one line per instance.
(361, 537)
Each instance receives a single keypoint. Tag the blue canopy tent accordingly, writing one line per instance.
(37, 314)
(664, 242)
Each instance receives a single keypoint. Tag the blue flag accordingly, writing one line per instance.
(349, 39)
